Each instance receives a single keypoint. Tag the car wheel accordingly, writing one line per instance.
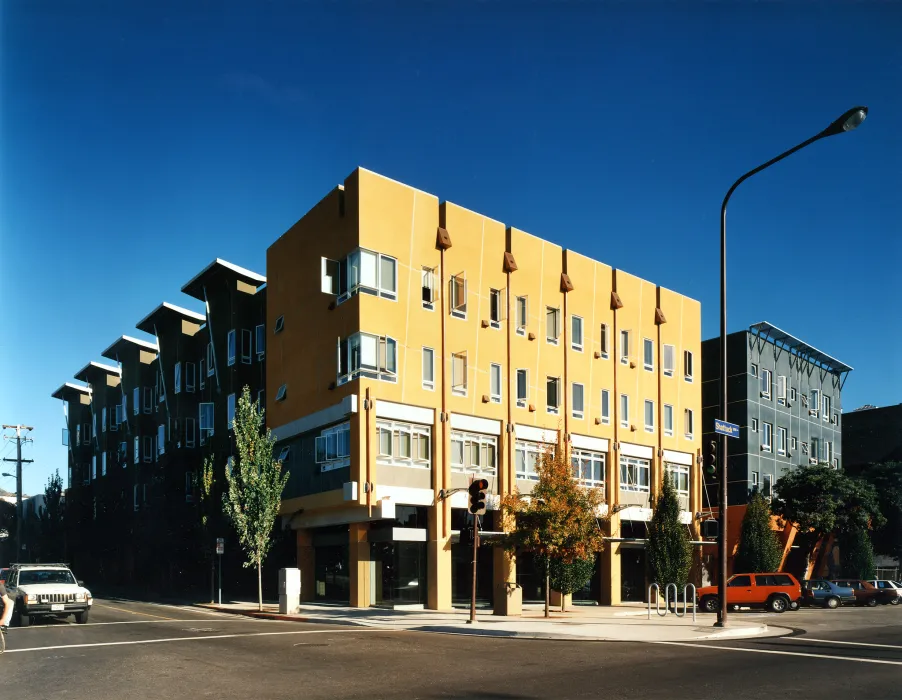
(710, 604)
(872, 603)
(894, 601)
(794, 605)
(778, 604)
(831, 603)
(81, 617)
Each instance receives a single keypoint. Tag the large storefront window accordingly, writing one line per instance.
(634, 474)
(333, 575)
(471, 452)
(588, 467)
(399, 573)
(404, 444)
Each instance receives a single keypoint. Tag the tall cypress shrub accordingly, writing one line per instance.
(759, 548)
(668, 550)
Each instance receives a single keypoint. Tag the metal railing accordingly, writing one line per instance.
(675, 600)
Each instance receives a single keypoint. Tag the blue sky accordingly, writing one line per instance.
(141, 140)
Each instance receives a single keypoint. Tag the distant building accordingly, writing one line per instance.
(872, 434)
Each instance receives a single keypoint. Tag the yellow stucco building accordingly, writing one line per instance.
(414, 344)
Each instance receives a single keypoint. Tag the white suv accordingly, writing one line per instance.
(46, 590)
(885, 585)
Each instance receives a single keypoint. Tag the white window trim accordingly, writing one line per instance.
(260, 341)
(495, 397)
(688, 355)
(605, 417)
(386, 350)
(754, 425)
(646, 342)
(415, 432)
(459, 388)
(766, 379)
(781, 432)
(495, 323)
(624, 413)
(427, 281)
(578, 415)
(591, 456)
(457, 308)
(522, 323)
(767, 436)
(689, 423)
(624, 351)
(668, 371)
(556, 409)
(484, 442)
(523, 401)
(190, 377)
(682, 470)
(649, 428)
(604, 340)
(553, 335)
(668, 432)
(578, 347)
(640, 466)
(375, 290)
(231, 347)
(339, 459)
(247, 348)
(532, 452)
(753, 370)
(428, 384)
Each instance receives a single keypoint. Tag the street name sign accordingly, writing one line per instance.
(728, 429)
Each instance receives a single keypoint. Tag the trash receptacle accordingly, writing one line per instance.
(289, 591)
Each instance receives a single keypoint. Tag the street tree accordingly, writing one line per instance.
(856, 554)
(569, 577)
(819, 500)
(52, 544)
(668, 550)
(255, 485)
(886, 478)
(558, 520)
(207, 510)
(759, 547)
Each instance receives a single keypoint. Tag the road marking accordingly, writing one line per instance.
(780, 653)
(194, 639)
(192, 608)
(131, 612)
(67, 623)
(857, 644)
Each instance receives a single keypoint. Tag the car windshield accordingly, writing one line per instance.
(32, 576)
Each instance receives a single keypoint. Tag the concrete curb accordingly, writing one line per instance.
(286, 618)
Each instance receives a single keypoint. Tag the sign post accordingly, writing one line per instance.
(220, 548)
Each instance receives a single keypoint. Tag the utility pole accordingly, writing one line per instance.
(18, 460)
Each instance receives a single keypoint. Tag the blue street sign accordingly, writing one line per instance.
(728, 429)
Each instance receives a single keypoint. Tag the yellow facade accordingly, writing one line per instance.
(463, 306)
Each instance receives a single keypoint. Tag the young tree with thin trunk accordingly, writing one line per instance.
(759, 549)
(255, 484)
(558, 520)
(569, 577)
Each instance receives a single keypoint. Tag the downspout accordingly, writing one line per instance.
(446, 522)
(660, 431)
(212, 344)
(562, 440)
(507, 486)
(614, 496)
(366, 440)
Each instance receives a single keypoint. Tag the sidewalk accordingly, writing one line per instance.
(589, 623)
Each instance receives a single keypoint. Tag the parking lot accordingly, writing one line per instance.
(139, 650)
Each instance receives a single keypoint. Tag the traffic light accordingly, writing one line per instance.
(710, 529)
(477, 496)
(711, 460)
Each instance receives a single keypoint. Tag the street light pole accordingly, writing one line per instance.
(847, 122)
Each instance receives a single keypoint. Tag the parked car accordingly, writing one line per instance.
(885, 585)
(776, 592)
(47, 590)
(827, 593)
(865, 593)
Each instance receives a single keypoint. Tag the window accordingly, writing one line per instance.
(576, 331)
(522, 388)
(280, 325)
(103, 419)
(330, 276)
(792, 394)
(189, 377)
(260, 333)
(368, 273)
(161, 440)
(495, 312)
(649, 416)
(781, 441)
(753, 370)
(103, 464)
(814, 403)
(648, 354)
(247, 349)
(828, 452)
(136, 400)
(202, 374)
(189, 432)
(526, 456)
(428, 288)
(669, 358)
(624, 347)
(689, 419)
(781, 389)
(605, 407)
(459, 373)
(428, 368)
(624, 411)
(767, 490)
(765, 383)
(605, 340)
(754, 479)
(94, 425)
(94, 467)
(231, 350)
(161, 388)
(230, 411)
(261, 399)
(473, 452)
(552, 324)
(668, 420)
(495, 382)
(148, 399)
(284, 453)
(766, 436)
(147, 448)
(458, 288)
(189, 487)
(121, 411)
(211, 369)
(588, 467)
(282, 392)
(333, 447)
(754, 425)
(634, 474)
(826, 409)
(740, 581)
(363, 354)
(137, 448)
(205, 421)
(577, 400)
(687, 365)
(793, 442)
(522, 315)
(553, 394)
(177, 379)
(679, 475)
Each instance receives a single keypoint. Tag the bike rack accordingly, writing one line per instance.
(667, 600)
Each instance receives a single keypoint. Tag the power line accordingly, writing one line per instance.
(19, 461)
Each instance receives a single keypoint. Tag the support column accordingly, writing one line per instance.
(306, 562)
(610, 566)
(359, 565)
(438, 559)
(508, 598)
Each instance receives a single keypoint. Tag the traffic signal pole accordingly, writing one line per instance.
(477, 506)
(473, 592)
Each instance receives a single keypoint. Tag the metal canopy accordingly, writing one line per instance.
(69, 387)
(799, 348)
(195, 287)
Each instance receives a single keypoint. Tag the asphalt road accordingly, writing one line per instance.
(139, 650)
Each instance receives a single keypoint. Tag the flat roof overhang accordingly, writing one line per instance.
(195, 287)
